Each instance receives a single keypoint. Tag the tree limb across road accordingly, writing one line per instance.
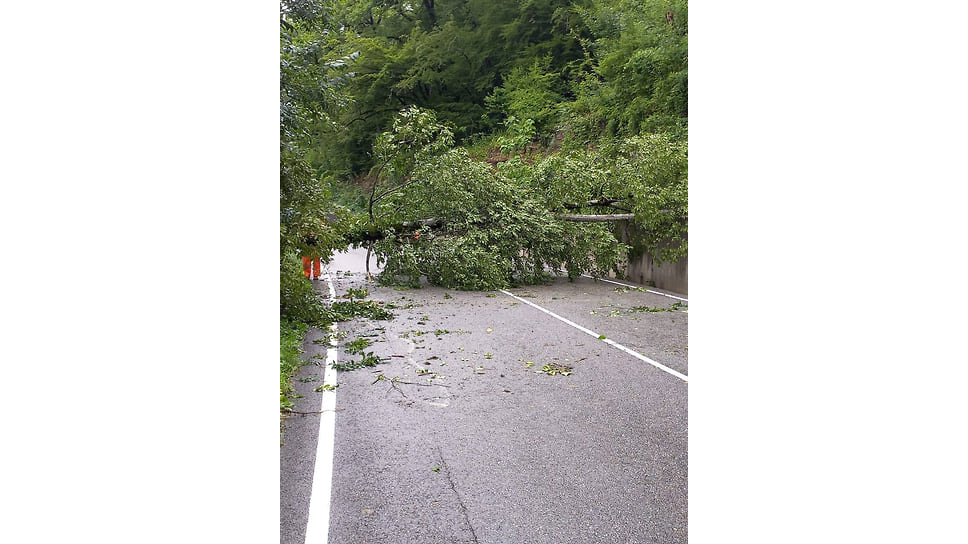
(609, 202)
(580, 218)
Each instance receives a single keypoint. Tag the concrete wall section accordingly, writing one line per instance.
(641, 268)
(668, 276)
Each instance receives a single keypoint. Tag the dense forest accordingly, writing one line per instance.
(480, 144)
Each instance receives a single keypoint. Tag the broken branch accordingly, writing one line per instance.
(580, 218)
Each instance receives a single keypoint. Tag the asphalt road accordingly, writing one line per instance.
(459, 436)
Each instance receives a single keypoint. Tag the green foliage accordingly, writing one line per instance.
(290, 359)
(656, 168)
(518, 134)
(416, 136)
(639, 82)
(647, 173)
(615, 67)
(357, 346)
(568, 177)
(654, 309)
(528, 94)
(347, 310)
(298, 300)
(445, 55)
(309, 93)
(381, 93)
(554, 369)
(359, 293)
(492, 233)
(350, 195)
(368, 360)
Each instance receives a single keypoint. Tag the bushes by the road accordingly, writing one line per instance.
(290, 358)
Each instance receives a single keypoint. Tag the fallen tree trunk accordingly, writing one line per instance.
(603, 202)
(579, 218)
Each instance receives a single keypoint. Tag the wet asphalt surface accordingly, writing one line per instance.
(460, 437)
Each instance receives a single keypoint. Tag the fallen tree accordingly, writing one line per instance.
(436, 213)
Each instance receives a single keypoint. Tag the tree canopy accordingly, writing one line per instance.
(479, 144)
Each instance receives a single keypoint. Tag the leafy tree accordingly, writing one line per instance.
(528, 94)
(639, 79)
(447, 56)
(654, 170)
(308, 94)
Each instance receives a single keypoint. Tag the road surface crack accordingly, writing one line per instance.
(460, 501)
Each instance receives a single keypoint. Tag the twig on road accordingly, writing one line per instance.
(393, 382)
(309, 413)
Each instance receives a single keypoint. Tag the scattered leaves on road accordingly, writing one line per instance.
(368, 360)
(554, 369)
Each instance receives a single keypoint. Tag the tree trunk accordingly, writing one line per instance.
(579, 218)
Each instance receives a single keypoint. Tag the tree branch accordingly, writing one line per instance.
(579, 218)
(368, 115)
(603, 202)
(394, 189)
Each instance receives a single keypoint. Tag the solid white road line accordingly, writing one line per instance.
(635, 287)
(317, 524)
(609, 341)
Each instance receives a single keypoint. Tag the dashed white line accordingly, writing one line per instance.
(609, 341)
(317, 524)
(635, 287)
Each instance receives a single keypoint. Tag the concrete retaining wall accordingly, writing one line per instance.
(671, 276)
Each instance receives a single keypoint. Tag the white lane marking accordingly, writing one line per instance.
(609, 341)
(317, 524)
(635, 287)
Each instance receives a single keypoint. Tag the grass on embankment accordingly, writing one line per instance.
(290, 358)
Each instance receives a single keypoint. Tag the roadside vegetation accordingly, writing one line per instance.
(475, 144)
(291, 338)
